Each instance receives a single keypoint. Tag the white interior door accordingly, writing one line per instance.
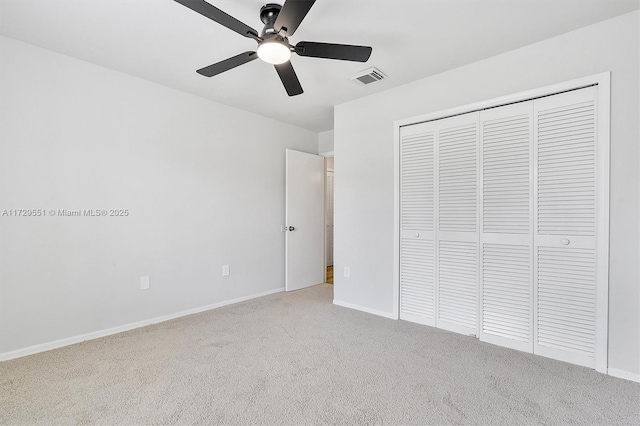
(417, 223)
(506, 228)
(457, 223)
(304, 211)
(566, 227)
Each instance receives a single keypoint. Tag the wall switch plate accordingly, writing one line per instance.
(145, 282)
(347, 272)
(225, 270)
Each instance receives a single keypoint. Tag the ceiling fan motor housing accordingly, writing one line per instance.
(268, 15)
(274, 44)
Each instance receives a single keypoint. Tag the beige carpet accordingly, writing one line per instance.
(297, 359)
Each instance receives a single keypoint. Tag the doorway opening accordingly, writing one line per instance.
(329, 170)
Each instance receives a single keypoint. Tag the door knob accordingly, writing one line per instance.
(291, 228)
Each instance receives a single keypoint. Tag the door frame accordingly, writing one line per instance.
(603, 83)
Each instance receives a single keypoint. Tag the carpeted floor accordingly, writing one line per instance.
(295, 358)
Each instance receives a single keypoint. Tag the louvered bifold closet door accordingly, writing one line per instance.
(457, 223)
(417, 223)
(506, 226)
(565, 225)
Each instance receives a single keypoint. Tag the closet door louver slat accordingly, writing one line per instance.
(417, 280)
(559, 310)
(507, 295)
(506, 171)
(571, 178)
(457, 286)
(457, 177)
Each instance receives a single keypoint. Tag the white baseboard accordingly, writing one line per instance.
(621, 374)
(389, 315)
(43, 347)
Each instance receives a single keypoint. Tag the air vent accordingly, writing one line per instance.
(368, 76)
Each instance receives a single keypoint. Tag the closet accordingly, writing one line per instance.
(498, 220)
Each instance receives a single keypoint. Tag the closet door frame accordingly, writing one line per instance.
(603, 83)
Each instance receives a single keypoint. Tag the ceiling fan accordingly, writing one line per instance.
(281, 22)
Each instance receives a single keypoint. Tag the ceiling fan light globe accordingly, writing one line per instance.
(274, 52)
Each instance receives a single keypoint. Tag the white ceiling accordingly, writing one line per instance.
(165, 42)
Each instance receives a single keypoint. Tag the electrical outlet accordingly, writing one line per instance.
(347, 272)
(225, 270)
(145, 282)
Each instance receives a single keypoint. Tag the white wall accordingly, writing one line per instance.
(204, 184)
(364, 179)
(325, 142)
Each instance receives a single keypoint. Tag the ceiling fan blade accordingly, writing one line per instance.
(228, 64)
(344, 52)
(289, 78)
(292, 14)
(215, 14)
